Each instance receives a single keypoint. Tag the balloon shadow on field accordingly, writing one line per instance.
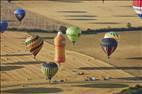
(103, 85)
(26, 62)
(126, 6)
(33, 90)
(70, 11)
(130, 78)
(9, 68)
(124, 15)
(82, 15)
(104, 23)
(16, 54)
(135, 58)
(81, 19)
(66, 1)
(110, 68)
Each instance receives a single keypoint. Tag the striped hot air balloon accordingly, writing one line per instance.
(109, 45)
(137, 5)
(49, 69)
(34, 44)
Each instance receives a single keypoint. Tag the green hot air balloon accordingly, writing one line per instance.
(49, 69)
(73, 33)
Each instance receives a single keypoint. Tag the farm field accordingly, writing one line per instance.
(21, 73)
(18, 70)
(86, 14)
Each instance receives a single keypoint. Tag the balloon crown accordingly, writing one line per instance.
(60, 33)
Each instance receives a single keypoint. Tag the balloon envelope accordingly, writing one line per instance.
(49, 69)
(137, 5)
(20, 14)
(73, 33)
(59, 44)
(3, 25)
(34, 44)
(114, 35)
(108, 45)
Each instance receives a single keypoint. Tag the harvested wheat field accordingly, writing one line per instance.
(21, 73)
(86, 14)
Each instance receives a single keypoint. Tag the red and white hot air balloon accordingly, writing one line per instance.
(137, 5)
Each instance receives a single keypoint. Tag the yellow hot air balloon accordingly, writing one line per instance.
(113, 35)
(59, 44)
(34, 44)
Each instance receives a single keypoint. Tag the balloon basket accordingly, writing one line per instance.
(73, 43)
(61, 67)
(20, 23)
(49, 81)
(108, 57)
(59, 64)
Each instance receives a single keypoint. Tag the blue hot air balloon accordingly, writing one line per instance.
(109, 45)
(20, 14)
(3, 25)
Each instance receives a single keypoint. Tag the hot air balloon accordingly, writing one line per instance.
(59, 44)
(137, 5)
(3, 25)
(73, 33)
(108, 45)
(49, 69)
(34, 44)
(114, 35)
(9, 1)
(20, 14)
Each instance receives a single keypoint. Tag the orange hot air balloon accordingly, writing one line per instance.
(59, 43)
